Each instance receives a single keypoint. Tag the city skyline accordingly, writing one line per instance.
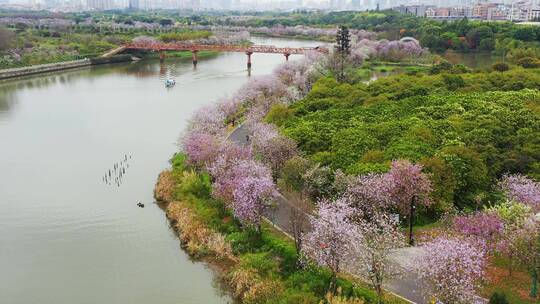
(518, 10)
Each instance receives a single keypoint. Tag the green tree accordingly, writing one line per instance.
(476, 34)
(525, 33)
(487, 44)
(343, 49)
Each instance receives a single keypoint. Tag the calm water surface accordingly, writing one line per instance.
(480, 60)
(66, 236)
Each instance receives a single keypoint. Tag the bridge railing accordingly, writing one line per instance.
(222, 48)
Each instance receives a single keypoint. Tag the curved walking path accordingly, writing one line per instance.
(407, 286)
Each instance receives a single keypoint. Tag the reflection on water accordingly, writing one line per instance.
(65, 236)
(475, 60)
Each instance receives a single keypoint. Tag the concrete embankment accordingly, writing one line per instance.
(58, 66)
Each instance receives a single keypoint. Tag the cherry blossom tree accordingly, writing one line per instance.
(209, 119)
(522, 189)
(329, 242)
(378, 237)
(527, 242)
(253, 191)
(200, 148)
(273, 148)
(487, 228)
(230, 108)
(221, 170)
(370, 193)
(452, 269)
(410, 187)
(514, 215)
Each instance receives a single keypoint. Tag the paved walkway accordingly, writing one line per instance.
(408, 285)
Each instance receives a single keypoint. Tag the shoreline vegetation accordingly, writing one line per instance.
(256, 267)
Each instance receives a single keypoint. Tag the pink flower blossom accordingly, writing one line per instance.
(486, 228)
(201, 148)
(253, 190)
(452, 268)
(330, 241)
(209, 119)
(408, 182)
(522, 189)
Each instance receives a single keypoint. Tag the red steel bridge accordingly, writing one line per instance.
(162, 48)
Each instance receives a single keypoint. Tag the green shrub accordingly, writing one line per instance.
(311, 279)
(291, 175)
(278, 114)
(440, 67)
(498, 298)
(529, 62)
(500, 67)
(178, 162)
(197, 184)
(293, 296)
(245, 241)
(263, 263)
(453, 82)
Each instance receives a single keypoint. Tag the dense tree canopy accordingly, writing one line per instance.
(465, 141)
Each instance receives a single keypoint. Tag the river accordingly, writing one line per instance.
(66, 235)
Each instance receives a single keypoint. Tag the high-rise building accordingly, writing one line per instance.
(100, 5)
(133, 4)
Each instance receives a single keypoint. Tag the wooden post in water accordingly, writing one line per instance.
(194, 57)
(249, 59)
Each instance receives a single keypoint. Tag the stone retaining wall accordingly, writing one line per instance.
(42, 68)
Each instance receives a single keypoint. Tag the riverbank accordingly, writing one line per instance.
(59, 66)
(43, 68)
(258, 267)
(66, 65)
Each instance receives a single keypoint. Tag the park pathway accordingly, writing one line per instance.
(407, 286)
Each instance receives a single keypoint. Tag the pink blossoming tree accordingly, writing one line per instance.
(330, 241)
(527, 242)
(221, 170)
(522, 189)
(200, 148)
(370, 193)
(452, 269)
(378, 237)
(209, 119)
(410, 188)
(273, 148)
(253, 190)
(486, 228)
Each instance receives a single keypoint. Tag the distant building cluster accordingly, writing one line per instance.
(77, 5)
(518, 11)
(515, 10)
